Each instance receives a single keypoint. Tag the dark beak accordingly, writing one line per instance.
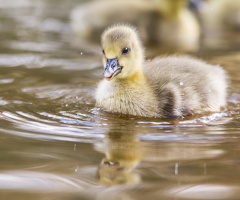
(112, 69)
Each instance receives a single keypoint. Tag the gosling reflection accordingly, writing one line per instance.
(123, 154)
(128, 147)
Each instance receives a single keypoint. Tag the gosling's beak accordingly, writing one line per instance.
(112, 69)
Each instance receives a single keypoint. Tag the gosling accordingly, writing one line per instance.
(169, 23)
(163, 87)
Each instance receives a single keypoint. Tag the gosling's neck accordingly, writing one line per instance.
(135, 79)
(128, 95)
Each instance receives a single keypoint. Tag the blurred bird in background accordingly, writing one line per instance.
(168, 24)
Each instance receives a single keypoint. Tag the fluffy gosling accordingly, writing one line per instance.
(163, 87)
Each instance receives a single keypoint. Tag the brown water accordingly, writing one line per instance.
(56, 145)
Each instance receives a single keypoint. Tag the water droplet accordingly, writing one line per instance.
(75, 145)
(76, 169)
(81, 53)
(205, 168)
(181, 83)
(176, 169)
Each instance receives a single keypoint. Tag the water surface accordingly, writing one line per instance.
(56, 145)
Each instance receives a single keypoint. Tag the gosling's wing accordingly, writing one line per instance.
(187, 84)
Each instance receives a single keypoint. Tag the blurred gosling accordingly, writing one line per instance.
(168, 23)
(163, 87)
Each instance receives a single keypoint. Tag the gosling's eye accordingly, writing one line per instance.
(125, 51)
(103, 52)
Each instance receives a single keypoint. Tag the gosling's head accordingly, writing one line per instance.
(123, 53)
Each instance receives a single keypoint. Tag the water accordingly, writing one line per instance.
(56, 145)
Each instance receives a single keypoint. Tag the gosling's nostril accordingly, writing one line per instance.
(112, 69)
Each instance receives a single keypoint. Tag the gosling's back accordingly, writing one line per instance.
(186, 85)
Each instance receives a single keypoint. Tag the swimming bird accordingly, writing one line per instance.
(169, 23)
(163, 87)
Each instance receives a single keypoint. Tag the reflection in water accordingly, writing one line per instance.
(123, 153)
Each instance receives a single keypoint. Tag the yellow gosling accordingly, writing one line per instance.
(168, 23)
(162, 87)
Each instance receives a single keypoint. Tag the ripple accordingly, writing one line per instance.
(18, 60)
(235, 98)
(181, 137)
(30, 126)
(6, 81)
(2, 102)
(55, 92)
(213, 119)
(34, 46)
(204, 191)
(39, 181)
(85, 126)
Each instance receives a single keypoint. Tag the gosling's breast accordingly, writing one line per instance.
(138, 101)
